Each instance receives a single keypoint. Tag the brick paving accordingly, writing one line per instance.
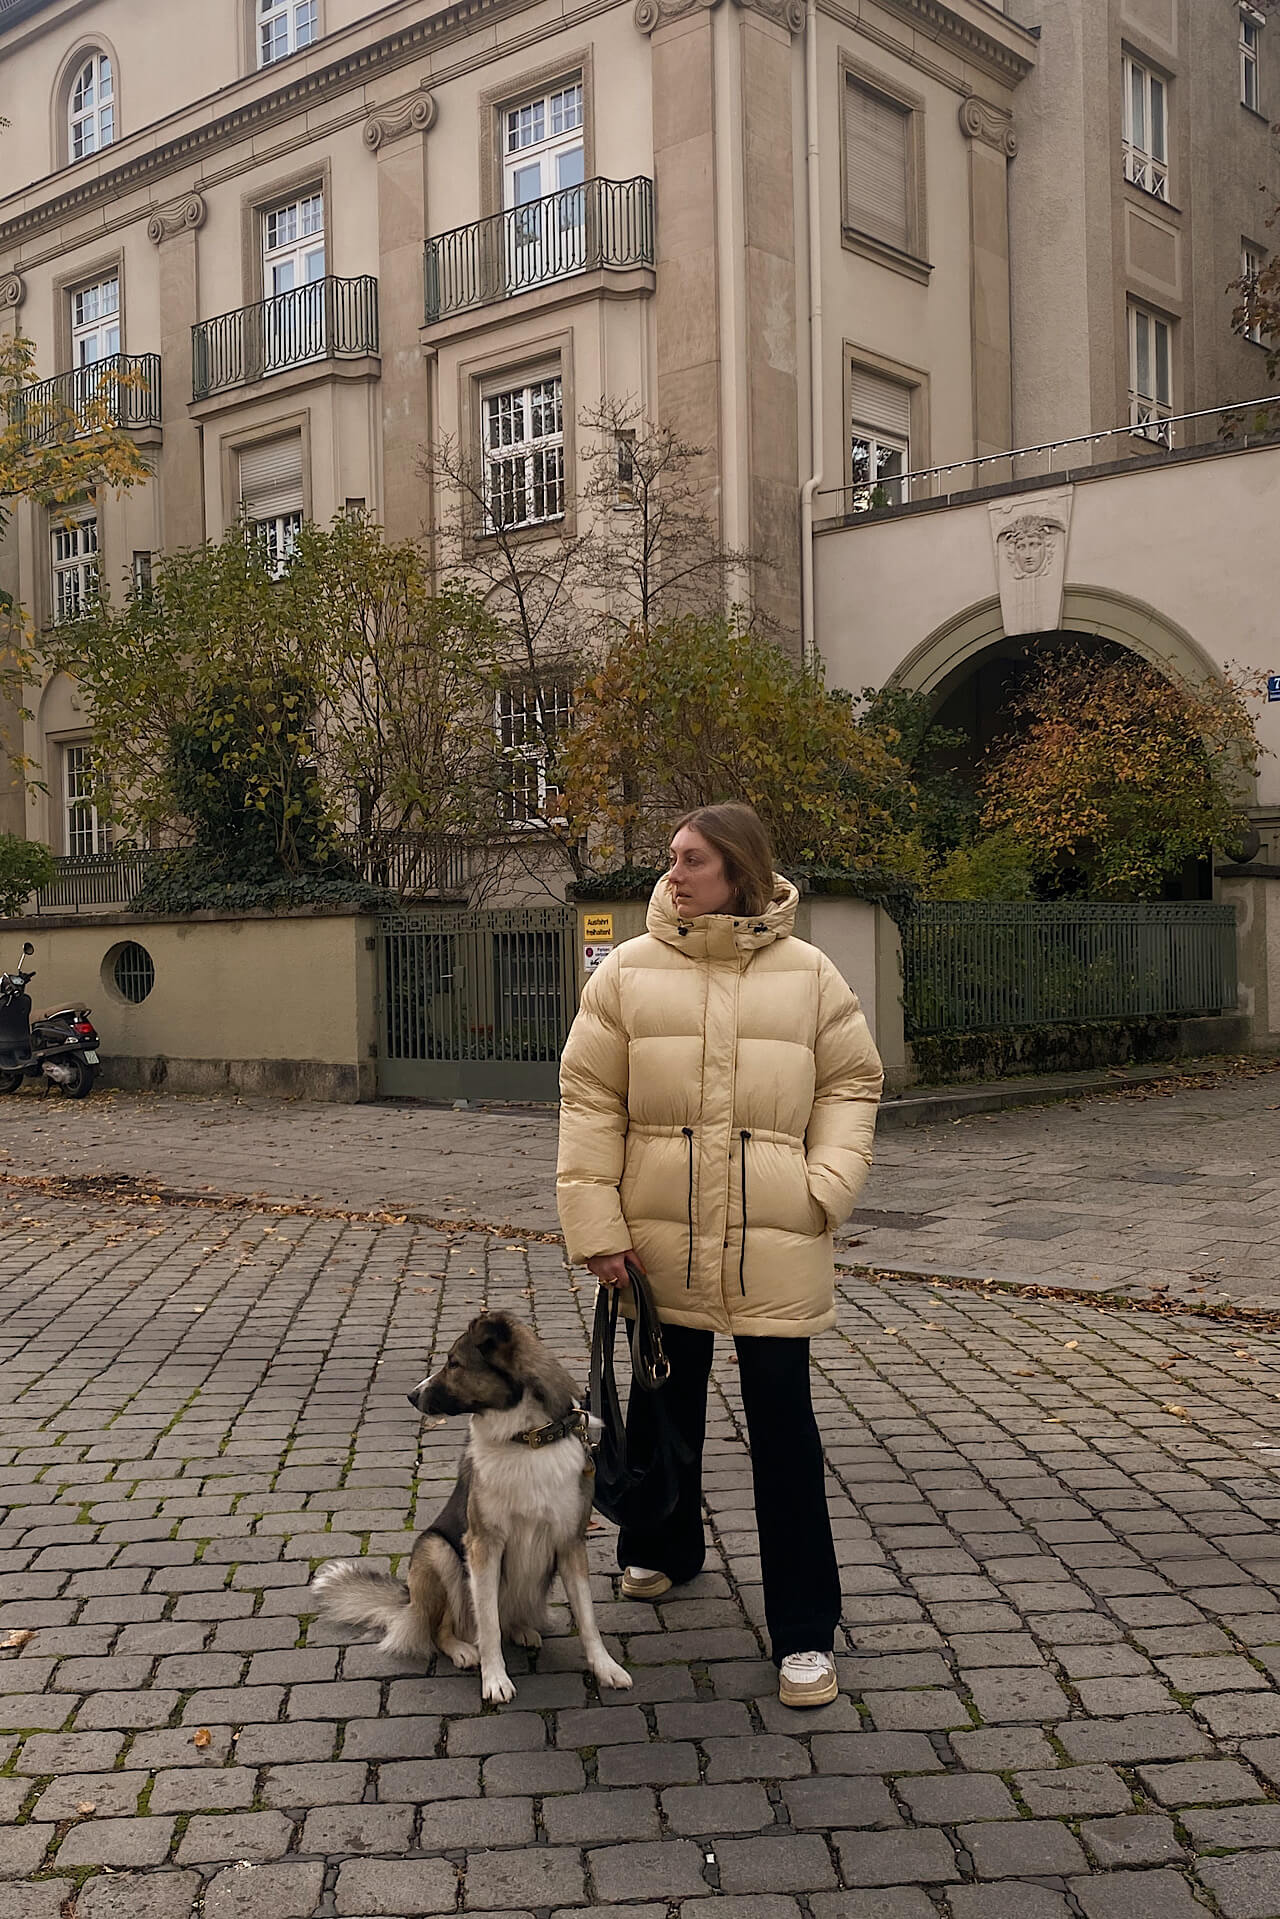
(1167, 1190)
(1055, 1520)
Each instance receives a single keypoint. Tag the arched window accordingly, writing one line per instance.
(91, 107)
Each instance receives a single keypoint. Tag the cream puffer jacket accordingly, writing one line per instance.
(718, 1097)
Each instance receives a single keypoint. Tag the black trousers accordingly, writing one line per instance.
(797, 1557)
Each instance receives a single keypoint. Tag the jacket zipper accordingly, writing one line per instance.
(743, 1137)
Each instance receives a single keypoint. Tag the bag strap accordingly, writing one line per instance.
(649, 1363)
(602, 1391)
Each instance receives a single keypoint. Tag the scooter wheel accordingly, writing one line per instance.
(80, 1085)
(10, 1082)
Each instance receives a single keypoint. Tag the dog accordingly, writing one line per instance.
(517, 1516)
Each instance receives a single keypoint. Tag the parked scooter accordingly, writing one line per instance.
(61, 1045)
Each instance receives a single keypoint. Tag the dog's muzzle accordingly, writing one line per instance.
(430, 1395)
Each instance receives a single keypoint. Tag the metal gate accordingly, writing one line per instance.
(475, 1005)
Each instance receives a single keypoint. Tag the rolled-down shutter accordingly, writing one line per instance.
(877, 405)
(271, 477)
(875, 156)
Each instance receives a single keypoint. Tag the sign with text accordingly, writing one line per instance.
(1273, 686)
(597, 926)
(596, 954)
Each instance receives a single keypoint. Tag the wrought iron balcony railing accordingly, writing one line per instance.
(330, 319)
(125, 387)
(602, 223)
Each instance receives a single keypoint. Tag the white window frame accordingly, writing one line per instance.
(282, 27)
(523, 457)
(1251, 23)
(1146, 128)
(74, 565)
(1150, 336)
(91, 108)
(279, 536)
(294, 249)
(881, 447)
(1252, 261)
(523, 710)
(86, 833)
(95, 320)
(544, 185)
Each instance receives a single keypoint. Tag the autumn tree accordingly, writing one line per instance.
(1114, 773)
(700, 709)
(54, 452)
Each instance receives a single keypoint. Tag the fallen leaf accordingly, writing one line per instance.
(16, 1639)
(1073, 1345)
(1179, 1412)
(934, 1326)
(890, 1332)
(202, 1738)
(87, 1806)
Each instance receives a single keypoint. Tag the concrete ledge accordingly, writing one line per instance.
(933, 1105)
(334, 1083)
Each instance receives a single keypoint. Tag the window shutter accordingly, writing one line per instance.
(878, 405)
(875, 159)
(271, 478)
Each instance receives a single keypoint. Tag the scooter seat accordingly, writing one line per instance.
(57, 1012)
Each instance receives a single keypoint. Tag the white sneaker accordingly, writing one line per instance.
(807, 1679)
(642, 1582)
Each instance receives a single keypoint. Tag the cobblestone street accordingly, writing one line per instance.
(1055, 1521)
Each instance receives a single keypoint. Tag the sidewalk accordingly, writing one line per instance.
(1162, 1190)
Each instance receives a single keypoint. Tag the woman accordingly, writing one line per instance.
(718, 1101)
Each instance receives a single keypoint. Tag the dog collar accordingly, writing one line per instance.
(572, 1426)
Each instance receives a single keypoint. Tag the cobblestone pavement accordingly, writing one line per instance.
(1168, 1188)
(1061, 1632)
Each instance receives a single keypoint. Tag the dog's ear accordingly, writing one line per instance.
(492, 1333)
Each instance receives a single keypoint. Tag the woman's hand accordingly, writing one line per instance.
(611, 1268)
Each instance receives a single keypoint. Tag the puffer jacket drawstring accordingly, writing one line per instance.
(688, 1271)
(743, 1137)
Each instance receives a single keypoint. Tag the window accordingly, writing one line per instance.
(1250, 36)
(293, 265)
(95, 321)
(141, 574)
(1150, 375)
(626, 455)
(75, 567)
(879, 440)
(91, 109)
(530, 718)
(1146, 132)
(86, 832)
(542, 186)
(878, 198)
(284, 26)
(1252, 261)
(271, 496)
(524, 455)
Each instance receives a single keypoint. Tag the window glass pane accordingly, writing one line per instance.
(1157, 120)
(1162, 363)
(1137, 107)
(1142, 362)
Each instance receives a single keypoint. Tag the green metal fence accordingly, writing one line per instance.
(475, 1005)
(973, 966)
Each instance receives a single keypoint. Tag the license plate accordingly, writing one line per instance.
(91, 1059)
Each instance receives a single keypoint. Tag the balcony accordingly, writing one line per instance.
(602, 223)
(330, 319)
(126, 385)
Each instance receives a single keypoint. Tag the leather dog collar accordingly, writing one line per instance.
(572, 1426)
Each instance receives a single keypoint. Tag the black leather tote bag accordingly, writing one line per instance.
(637, 1492)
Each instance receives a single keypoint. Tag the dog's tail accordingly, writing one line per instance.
(354, 1597)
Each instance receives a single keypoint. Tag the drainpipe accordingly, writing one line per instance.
(808, 635)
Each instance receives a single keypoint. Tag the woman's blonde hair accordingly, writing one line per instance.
(741, 838)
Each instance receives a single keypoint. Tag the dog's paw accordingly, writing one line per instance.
(610, 1673)
(527, 1636)
(498, 1688)
(466, 1658)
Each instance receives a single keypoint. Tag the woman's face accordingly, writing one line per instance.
(698, 880)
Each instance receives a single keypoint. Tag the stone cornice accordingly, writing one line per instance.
(186, 215)
(996, 56)
(649, 15)
(307, 90)
(980, 120)
(414, 114)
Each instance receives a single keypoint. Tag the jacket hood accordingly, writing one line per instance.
(720, 935)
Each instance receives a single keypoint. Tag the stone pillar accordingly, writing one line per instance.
(717, 223)
(396, 135)
(992, 144)
(172, 229)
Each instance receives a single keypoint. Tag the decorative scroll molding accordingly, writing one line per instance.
(651, 14)
(12, 291)
(186, 215)
(980, 120)
(414, 114)
(1029, 539)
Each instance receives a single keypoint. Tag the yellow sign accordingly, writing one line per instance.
(597, 926)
